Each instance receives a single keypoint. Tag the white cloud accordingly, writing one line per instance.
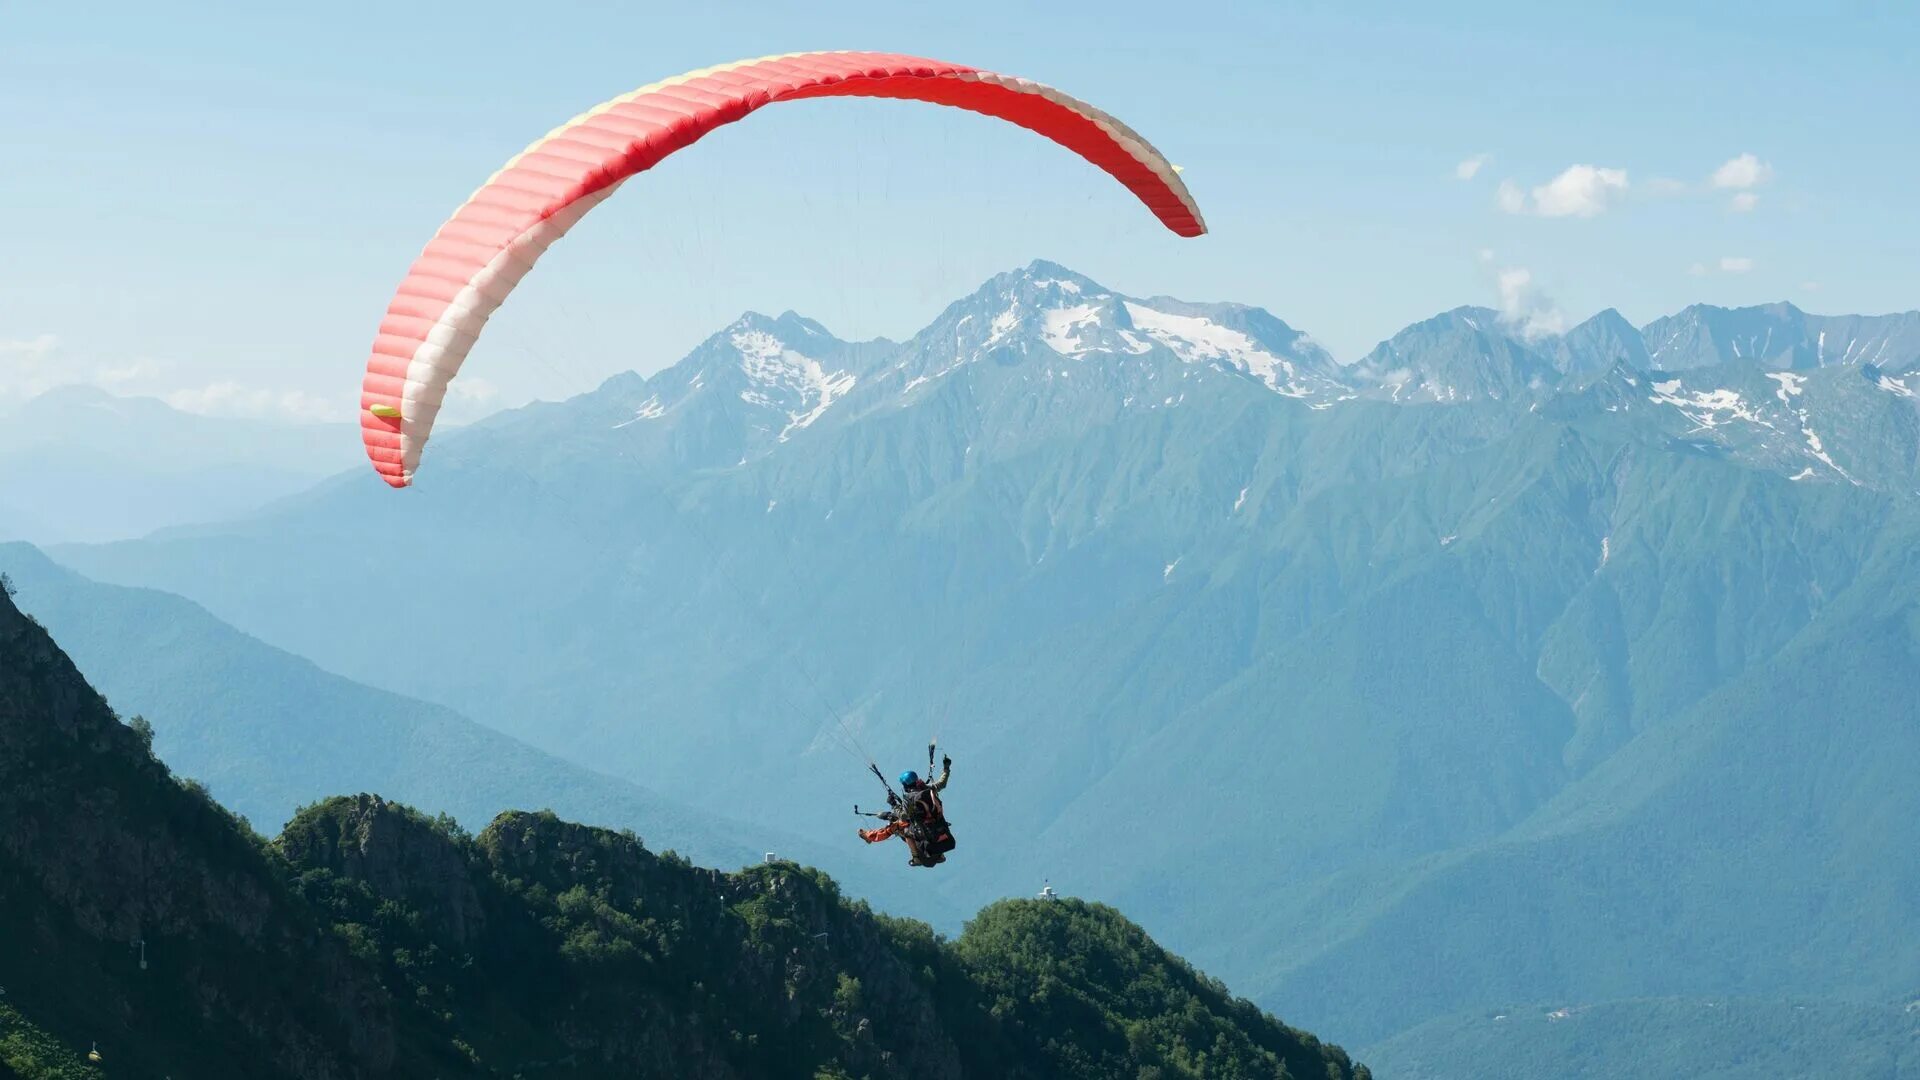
(32, 366)
(1470, 168)
(24, 368)
(1745, 171)
(1522, 304)
(1726, 264)
(1590, 190)
(469, 398)
(34, 347)
(1810, 286)
(228, 398)
(1579, 191)
(1741, 175)
(473, 388)
(136, 370)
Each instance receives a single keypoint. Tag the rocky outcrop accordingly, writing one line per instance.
(398, 854)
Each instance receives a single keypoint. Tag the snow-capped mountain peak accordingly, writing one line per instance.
(1243, 339)
(757, 383)
(1041, 353)
(783, 378)
(1046, 311)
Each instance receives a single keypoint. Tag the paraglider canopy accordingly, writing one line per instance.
(482, 252)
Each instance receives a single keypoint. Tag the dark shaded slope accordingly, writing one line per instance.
(101, 849)
(1135, 1009)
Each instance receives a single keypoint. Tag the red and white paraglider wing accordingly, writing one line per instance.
(490, 243)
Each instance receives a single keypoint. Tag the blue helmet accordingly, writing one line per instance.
(909, 779)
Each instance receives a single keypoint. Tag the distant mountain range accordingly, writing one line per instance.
(268, 732)
(1488, 669)
(80, 464)
(1781, 336)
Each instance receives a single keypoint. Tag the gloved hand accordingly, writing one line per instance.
(945, 763)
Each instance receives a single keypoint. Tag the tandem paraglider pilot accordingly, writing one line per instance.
(917, 815)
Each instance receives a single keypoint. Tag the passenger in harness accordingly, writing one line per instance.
(918, 817)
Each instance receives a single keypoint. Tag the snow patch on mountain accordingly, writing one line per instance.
(1722, 410)
(1819, 451)
(1708, 409)
(783, 377)
(1198, 340)
(921, 380)
(1004, 324)
(1791, 385)
(650, 409)
(1063, 327)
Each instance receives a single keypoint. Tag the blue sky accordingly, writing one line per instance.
(214, 206)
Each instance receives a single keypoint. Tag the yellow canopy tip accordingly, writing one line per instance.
(384, 412)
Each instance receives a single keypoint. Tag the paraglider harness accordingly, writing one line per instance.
(927, 833)
(927, 828)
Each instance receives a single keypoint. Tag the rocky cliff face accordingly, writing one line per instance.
(384, 845)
